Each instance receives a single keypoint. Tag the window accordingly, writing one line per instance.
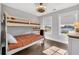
(66, 21)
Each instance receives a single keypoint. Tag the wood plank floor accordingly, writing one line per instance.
(37, 49)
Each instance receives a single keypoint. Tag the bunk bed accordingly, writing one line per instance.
(16, 21)
(23, 41)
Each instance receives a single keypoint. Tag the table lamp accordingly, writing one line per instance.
(76, 25)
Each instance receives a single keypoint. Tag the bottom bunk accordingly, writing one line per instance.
(24, 41)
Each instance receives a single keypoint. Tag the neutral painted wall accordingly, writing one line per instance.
(55, 23)
(21, 14)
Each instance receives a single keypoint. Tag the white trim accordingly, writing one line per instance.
(21, 48)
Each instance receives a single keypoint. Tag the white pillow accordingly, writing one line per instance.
(11, 39)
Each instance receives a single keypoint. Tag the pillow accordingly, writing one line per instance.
(11, 39)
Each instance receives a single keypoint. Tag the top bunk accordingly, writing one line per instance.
(17, 21)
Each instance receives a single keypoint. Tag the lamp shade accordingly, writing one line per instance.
(76, 24)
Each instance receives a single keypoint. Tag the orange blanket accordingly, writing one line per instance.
(23, 40)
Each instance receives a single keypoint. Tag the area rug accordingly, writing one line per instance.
(55, 51)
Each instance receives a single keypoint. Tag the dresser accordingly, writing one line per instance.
(73, 46)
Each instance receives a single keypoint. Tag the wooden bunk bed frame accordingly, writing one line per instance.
(12, 21)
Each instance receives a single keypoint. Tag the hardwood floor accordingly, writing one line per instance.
(37, 49)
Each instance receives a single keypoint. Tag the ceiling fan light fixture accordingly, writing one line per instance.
(40, 8)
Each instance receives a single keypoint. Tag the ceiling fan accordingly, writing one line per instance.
(40, 8)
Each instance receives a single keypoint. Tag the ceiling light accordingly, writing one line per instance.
(40, 8)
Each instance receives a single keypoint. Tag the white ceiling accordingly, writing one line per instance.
(31, 7)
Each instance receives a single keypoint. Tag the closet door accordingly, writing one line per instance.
(47, 22)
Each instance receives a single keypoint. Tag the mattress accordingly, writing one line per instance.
(23, 40)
